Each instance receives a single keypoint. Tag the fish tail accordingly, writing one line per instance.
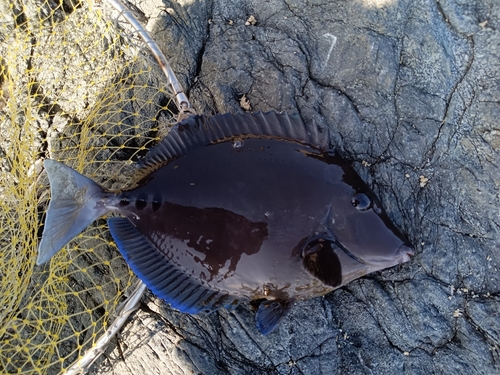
(76, 201)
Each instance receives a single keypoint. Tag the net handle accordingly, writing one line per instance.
(181, 98)
(128, 307)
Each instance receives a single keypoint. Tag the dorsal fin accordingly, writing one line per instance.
(203, 130)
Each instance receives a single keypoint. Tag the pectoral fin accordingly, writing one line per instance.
(320, 260)
(271, 313)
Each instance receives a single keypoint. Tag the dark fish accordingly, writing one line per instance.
(251, 207)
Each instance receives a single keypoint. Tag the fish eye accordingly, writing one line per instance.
(361, 201)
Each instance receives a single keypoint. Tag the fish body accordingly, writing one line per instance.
(230, 209)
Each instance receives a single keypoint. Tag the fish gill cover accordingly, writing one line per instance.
(79, 87)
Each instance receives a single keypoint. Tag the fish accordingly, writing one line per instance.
(230, 209)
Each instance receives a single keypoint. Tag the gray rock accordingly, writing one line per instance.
(411, 93)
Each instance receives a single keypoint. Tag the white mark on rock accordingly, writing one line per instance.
(334, 41)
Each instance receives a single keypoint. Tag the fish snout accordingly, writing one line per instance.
(405, 252)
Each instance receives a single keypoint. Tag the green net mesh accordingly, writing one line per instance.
(76, 85)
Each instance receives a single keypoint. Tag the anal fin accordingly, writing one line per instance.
(271, 313)
(165, 279)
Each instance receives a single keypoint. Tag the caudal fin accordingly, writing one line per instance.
(73, 206)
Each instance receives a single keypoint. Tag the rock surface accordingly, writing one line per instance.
(411, 93)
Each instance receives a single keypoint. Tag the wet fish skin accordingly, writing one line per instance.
(233, 209)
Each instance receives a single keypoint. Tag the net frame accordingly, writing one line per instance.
(78, 84)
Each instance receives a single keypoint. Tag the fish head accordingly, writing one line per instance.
(366, 239)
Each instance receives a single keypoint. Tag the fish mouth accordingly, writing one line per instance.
(405, 252)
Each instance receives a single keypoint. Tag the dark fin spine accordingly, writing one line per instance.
(200, 297)
(73, 206)
(271, 313)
